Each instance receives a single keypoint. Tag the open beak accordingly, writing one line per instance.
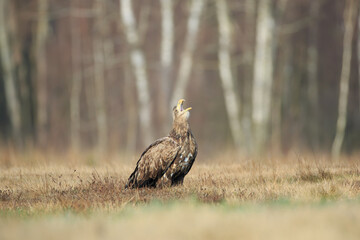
(180, 107)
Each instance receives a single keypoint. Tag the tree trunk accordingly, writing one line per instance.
(248, 56)
(281, 98)
(75, 85)
(99, 76)
(167, 43)
(227, 80)
(277, 89)
(26, 96)
(358, 57)
(263, 74)
(186, 57)
(40, 75)
(349, 21)
(12, 100)
(138, 62)
(312, 72)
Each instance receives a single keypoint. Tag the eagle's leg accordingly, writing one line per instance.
(177, 181)
(151, 183)
(164, 181)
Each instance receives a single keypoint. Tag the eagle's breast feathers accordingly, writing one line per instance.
(182, 163)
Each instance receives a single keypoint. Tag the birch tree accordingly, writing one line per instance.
(226, 76)
(75, 84)
(349, 22)
(40, 75)
(189, 47)
(248, 56)
(263, 73)
(167, 42)
(138, 63)
(99, 75)
(12, 100)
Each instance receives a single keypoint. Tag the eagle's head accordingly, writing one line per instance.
(179, 113)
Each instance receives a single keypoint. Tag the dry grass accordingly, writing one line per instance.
(83, 188)
(273, 199)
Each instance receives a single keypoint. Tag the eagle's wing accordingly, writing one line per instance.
(153, 163)
(194, 154)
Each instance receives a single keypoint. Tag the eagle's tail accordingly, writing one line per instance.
(131, 181)
(136, 183)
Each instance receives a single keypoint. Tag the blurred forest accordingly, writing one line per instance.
(260, 75)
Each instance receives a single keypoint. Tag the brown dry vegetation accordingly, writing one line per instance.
(57, 187)
(214, 196)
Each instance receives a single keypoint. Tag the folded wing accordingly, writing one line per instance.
(153, 163)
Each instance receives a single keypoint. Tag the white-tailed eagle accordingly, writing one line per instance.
(168, 159)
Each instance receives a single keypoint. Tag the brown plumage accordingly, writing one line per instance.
(169, 159)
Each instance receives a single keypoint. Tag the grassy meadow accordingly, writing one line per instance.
(74, 197)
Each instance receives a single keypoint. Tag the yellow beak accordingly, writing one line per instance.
(180, 103)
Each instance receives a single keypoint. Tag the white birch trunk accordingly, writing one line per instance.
(138, 62)
(75, 85)
(99, 77)
(250, 20)
(227, 79)
(12, 101)
(189, 47)
(167, 43)
(349, 14)
(312, 70)
(263, 74)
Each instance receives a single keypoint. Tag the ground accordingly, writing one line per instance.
(304, 198)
